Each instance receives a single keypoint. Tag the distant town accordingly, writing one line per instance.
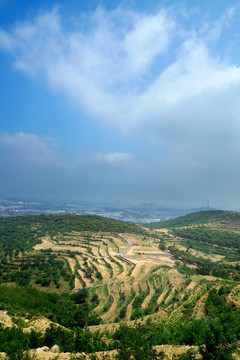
(140, 213)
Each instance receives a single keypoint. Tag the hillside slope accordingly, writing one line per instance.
(230, 219)
(91, 284)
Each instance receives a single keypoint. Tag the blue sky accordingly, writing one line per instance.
(121, 101)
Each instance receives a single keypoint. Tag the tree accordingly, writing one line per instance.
(221, 340)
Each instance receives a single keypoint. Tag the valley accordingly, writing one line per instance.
(101, 275)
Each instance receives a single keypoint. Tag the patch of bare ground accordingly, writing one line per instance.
(113, 248)
(85, 279)
(102, 268)
(77, 283)
(210, 278)
(169, 350)
(148, 297)
(191, 286)
(112, 267)
(144, 276)
(139, 270)
(126, 288)
(117, 269)
(135, 271)
(102, 250)
(40, 354)
(112, 312)
(72, 263)
(40, 324)
(161, 297)
(104, 327)
(175, 278)
(5, 319)
(216, 257)
(95, 250)
(164, 231)
(129, 310)
(122, 268)
(46, 243)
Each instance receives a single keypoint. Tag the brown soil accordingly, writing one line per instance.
(72, 263)
(5, 319)
(112, 312)
(40, 324)
(47, 243)
(77, 283)
(148, 297)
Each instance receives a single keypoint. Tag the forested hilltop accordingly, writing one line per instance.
(23, 232)
(90, 284)
(229, 218)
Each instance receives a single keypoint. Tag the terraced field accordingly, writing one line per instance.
(132, 278)
(118, 268)
(162, 278)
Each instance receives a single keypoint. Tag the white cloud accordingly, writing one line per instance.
(95, 68)
(111, 158)
(149, 38)
(125, 72)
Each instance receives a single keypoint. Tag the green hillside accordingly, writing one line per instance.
(199, 218)
(98, 284)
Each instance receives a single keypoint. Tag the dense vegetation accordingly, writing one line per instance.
(216, 334)
(18, 235)
(44, 268)
(68, 310)
(221, 238)
(204, 266)
(21, 233)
